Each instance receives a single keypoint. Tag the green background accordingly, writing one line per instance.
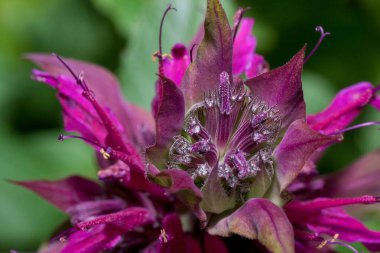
(121, 35)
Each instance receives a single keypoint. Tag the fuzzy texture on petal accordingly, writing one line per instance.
(66, 192)
(344, 108)
(169, 118)
(95, 240)
(281, 88)
(262, 220)
(298, 144)
(88, 209)
(124, 220)
(214, 56)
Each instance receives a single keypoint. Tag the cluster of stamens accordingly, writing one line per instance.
(230, 131)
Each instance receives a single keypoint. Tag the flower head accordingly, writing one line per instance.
(228, 142)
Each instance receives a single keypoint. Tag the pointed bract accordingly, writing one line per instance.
(298, 144)
(281, 88)
(169, 118)
(214, 56)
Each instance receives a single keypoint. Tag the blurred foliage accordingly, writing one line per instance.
(122, 35)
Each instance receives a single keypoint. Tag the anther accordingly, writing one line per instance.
(105, 154)
(164, 236)
(323, 35)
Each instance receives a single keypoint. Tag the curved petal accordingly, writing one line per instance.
(296, 147)
(262, 220)
(176, 65)
(105, 86)
(281, 88)
(214, 55)
(169, 118)
(335, 221)
(93, 241)
(344, 108)
(66, 192)
(244, 47)
(125, 220)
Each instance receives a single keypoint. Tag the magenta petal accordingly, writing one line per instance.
(214, 56)
(262, 220)
(244, 47)
(87, 209)
(335, 221)
(257, 66)
(169, 118)
(176, 65)
(182, 185)
(125, 220)
(92, 241)
(303, 211)
(360, 178)
(281, 88)
(376, 102)
(106, 88)
(344, 108)
(174, 240)
(66, 192)
(296, 147)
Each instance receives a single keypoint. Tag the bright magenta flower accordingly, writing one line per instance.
(228, 146)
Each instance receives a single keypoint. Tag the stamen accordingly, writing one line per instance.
(358, 126)
(108, 123)
(62, 137)
(323, 35)
(105, 152)
(79, 79)
(333, 241)
(159, 56)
